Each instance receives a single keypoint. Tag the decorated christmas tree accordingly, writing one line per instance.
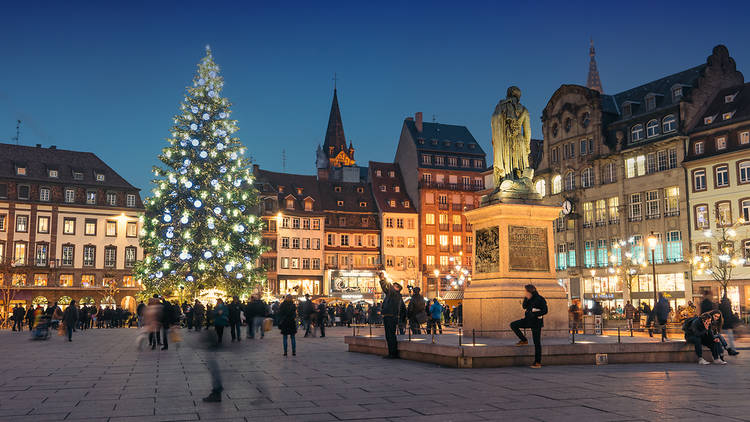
(199, 228)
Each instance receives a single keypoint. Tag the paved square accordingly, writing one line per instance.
(101, 376)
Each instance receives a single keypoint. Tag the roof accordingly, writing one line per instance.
(269, 183)
(662, 88)
(352, 195)
(38, 161)
(335, 131)
(390, 184)
(739, 108)
(450, 138)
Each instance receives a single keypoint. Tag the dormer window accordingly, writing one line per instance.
(727, 116)
(421, 141)
(52, 173)
(698, 148)
(99, 177)
(627, 109)
(21, 170)
(337, 188)
(391, 174)
(406, 204)
(392, 203)
(382, 188)
(729, 98)
(397, 188)
(676, 93)
(378, 173)
(650, 102)
(290, 203)
(281, 189)
(308, 204)
(434, 142)
(472, 146)
(459, 144)
(708, 120)
(299, 191)
(360, 189)
(363, 204)
(77, 175)
(340, 203)
(721, 142)
(447, 143)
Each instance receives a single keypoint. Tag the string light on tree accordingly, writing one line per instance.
(198, 223)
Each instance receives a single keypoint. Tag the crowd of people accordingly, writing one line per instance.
(40, 319)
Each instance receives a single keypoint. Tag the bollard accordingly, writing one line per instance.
(409, 332)
(433, 336)
(618, 335)
(573, 337)
(460, 333)
(631, 330)
(354, 332)
(473, 337)
(370, 330)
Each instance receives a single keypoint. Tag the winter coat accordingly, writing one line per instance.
(535, 308)
(661, 310)
(726, 312)
(707, 305)
(416, 305)
(234, 312)
(392, 301)
(221, 315)
(307, 309)
(288, 318)
(696, 328)
(436, 311)
(255, 309)
(70, 316)
(629, 311)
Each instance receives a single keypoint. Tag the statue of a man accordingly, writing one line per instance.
(511, 137)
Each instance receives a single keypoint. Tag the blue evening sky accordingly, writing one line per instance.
(107, 77)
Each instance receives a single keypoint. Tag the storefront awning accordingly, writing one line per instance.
(453, 295)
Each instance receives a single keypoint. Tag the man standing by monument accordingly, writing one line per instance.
(390, 310)
(536, 307)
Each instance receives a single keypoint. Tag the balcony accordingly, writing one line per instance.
(28, 263)
(652, 216)
(443, 206)
(614, 221)
(633, 219)
(456, 248)
(444, 248)
(457, 207)
(601, 223)
(587, 225)
(672, 213)
(467, 248)
(449, 186)
(457, 227)
(444, 227)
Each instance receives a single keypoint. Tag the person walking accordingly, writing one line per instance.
(307, 310)
(707, 303)
(390, 311)
(168, 317)
(139, 310)
(436, 313)
(661, 316)
(235, 318)
(30, 317)
(199, 312)
(288, 323)
(730, 320)
(18, 314)
(322, 318)
(220, 318)
(535, 307)
(152, 321)
(402, 319)
(629, 314)
(70, 319)
(416, 311)
(255, 313)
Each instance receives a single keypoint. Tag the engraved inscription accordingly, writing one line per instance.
(527, 249)
(488, 250)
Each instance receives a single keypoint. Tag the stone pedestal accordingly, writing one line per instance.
(513, 246)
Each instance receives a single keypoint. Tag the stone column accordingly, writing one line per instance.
(514, 246)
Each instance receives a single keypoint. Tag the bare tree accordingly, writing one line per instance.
(716, 255)
(8, 292)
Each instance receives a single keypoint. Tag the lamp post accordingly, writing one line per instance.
(652, 241)
(437, 283)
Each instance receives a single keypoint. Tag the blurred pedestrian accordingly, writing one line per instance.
(288, 323)
(70, 319)
(220, 318)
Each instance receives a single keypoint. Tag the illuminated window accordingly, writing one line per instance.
(66, 280)
(87, 280)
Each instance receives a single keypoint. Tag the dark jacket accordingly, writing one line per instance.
(696, 328)
(234, 312)
(661, 310)
(416, 305)
(307, 309)
(535, 308)
(288, 318)
(392, 300)
(706, 305)
(221, 315)
(255, 309)
(402, 313)
(70, 316)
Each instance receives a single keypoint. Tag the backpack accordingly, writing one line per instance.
(687, 323)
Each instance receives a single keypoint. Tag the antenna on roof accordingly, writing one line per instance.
(18, 131)
(283, 159)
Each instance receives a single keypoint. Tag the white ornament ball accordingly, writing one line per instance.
(206, 116)
(197, 203)
(194, 109)
(207, 254)
(184, 219)
(195, 142)
(188, 184)
(193, 126)
(211, 94)
(167, 218)
(203, 154)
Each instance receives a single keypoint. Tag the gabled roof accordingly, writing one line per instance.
(38, 161)
(383, 198)
(352, 194)
(269, 182)
(450, 138)
(739, 106)
(335, 131)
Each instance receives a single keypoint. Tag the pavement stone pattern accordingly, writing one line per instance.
(102, 376)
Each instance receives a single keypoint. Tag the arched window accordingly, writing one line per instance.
(636, 133)
(570, 180)
(541, 187)
(556, 184)
(587, 178)
(668, 124)
(652, 128)
(585, 119)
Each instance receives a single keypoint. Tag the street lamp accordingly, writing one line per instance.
(652, 241)
(437, 282)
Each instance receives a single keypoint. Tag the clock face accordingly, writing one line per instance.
(567, 207)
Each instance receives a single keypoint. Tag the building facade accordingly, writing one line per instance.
(615, 159)
(295, 226)
(442, 168)
(69, 228)
(399, 252)
(718, 171)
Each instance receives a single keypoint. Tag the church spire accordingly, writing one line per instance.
(334, 145)
(593, 81)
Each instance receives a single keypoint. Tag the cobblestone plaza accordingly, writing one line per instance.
(101, 376)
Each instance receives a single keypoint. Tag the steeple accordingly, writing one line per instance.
(335, 133)
(593, 81)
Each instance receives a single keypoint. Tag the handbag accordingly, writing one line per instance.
(267, 324)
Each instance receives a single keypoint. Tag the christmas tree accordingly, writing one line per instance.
(199, 227)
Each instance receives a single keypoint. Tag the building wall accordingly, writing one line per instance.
(310, 279)
(400, 252)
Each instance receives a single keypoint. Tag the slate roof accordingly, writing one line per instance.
(335, 130)
(454, 135)
(38, 161)
(740, 107)
(349, 194)
(269, 182)
(383, 198)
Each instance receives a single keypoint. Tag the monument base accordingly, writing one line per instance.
(514, 247)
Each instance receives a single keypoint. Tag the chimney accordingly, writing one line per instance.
(53, 147)
(418, 123)
(38, 145)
